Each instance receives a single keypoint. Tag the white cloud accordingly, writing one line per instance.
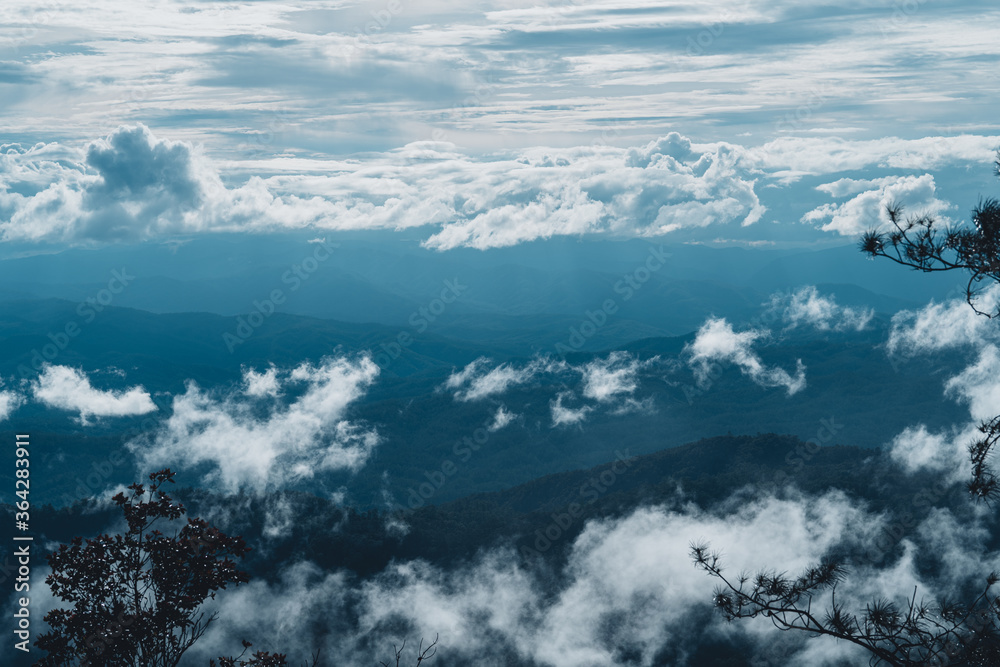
(979, 384)
(606, 379)
(628, 585)
(868, 209)
(248, 444)
(946, 453)
(502, 418)
(470, 384)
(134, 185)
(66, 388)
(565, 416)
(805, 306)
(716, 342)
(263, 384)
(940, 326)
(608, 382)
(9, 402)
(474, 383)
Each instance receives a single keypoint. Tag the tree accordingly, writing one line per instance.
(423, 654)
(940, 633)
(136, 598)
(920, 634)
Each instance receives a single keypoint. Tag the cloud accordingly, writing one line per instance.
(474, 383)
(66, 388)
(805, 306)
(9, 402)
(716, 342)
(868, 209)
(564, 416)
(628, 593)
(502, 418)
(133, 185)
(248, 442)
(979, 384)
(946, 453)
(608, 378)
(941, 326)
(471, 384)
(263, 384)
(608, 382)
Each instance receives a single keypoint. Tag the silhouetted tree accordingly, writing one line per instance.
(920, 242)
(136, 598)
(920, 634)
(423, 654)
(939, 633)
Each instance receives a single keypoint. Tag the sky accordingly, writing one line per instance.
(490, 124)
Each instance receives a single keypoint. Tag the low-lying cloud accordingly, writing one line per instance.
(949, 325)
(249, 440)
(628, 593)
(9, 402)
(807, 307)
(66, 388)
(717, 342)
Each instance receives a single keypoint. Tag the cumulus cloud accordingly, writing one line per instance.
(868, 210)
(66, 388)
(806, 307)
(717, 342)
(249, 442)
(942, 326)
(607, 383)
(133, 185)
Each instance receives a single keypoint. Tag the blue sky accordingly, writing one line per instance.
(491, 124)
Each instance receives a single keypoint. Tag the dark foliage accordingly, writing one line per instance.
(940, 633)
(920, 242)
(136, 598)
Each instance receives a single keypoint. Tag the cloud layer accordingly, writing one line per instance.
(277, 79)
(134, 185)
(628, 593)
